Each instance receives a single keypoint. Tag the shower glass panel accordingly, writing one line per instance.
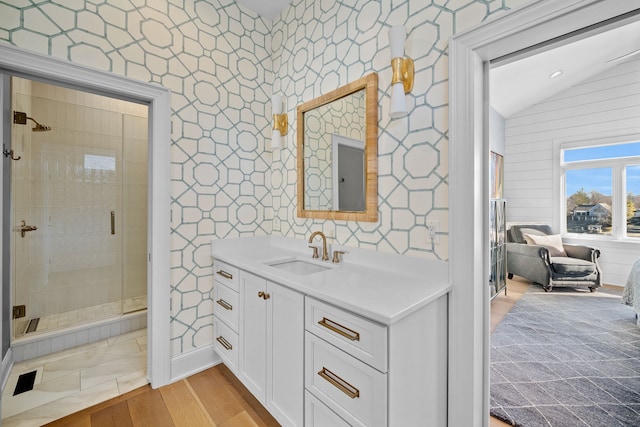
(81, 188)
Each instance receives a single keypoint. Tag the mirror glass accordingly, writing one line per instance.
(338, 153)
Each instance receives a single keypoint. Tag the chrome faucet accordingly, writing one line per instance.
(325, 253)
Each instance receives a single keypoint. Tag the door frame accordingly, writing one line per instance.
(469, 56)
(336, 142)
(54, 70)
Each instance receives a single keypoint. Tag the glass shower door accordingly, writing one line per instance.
(71, 185)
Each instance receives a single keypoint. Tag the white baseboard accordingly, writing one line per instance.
(190, 363)
(5, 368)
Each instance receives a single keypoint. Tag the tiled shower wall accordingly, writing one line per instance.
(67, 182)
(222, 62)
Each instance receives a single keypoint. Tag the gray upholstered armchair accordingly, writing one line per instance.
(534, 262)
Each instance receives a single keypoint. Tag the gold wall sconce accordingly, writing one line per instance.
(403, 72)
(280, 122)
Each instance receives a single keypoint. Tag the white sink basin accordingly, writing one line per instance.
(299, 266)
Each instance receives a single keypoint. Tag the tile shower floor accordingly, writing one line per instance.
(88, 314)
(74, 379)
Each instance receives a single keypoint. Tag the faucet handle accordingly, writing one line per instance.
(336, 256)
(316, 254)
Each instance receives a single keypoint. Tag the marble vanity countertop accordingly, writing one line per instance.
(380, 286)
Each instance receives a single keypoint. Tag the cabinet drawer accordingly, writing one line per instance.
(226, 344)
(227, 274)
(353, 390)
(360, 337)
(226, 305)
(317, 414)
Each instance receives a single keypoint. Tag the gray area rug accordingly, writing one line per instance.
(567, 358)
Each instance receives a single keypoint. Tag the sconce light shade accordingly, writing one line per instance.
(398, 101)
(397, 37)
(276, 139)
(280, 122)
(403, 72)
(276, 104)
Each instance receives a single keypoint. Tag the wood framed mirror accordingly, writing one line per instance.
(337, 163)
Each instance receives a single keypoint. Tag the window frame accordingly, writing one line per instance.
(618, 167)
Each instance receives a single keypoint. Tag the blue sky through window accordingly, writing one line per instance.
(602, 152)
(633, 180)
(600, 179)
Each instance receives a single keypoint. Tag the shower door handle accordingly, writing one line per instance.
(113, 222)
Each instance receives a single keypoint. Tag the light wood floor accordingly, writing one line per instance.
(215, 397)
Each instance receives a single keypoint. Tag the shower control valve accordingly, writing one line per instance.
(24, 227)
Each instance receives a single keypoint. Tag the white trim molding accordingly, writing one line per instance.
(36, 66)
(5, 369)
(469, 54)
(187, 364)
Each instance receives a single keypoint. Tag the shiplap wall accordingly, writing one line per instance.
(604, 106)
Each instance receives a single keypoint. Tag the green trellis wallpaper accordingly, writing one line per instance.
(222, 63)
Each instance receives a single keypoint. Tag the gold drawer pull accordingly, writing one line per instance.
(339, 329)
(339, 383)
(225, 304)
(224, 343)
(225, 274)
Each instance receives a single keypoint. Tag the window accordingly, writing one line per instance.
(632, 174)
(602, 190)
(95, 162)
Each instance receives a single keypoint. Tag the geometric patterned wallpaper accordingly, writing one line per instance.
(222, 62)
(319, 46)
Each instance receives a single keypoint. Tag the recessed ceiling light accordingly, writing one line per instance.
(555, 74)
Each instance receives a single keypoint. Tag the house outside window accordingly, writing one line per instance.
(601, 194)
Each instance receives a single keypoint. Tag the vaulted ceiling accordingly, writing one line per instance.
(518, 84)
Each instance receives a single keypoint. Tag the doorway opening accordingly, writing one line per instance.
(530, 25)
(34, 66)
(78, 208)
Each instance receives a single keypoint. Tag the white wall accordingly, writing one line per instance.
(496, 132)
(604, 106)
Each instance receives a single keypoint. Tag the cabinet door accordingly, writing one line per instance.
(285, 355)
(253, 335)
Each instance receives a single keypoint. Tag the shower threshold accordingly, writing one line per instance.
(71, 318)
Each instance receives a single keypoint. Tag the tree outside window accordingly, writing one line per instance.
(596, 180)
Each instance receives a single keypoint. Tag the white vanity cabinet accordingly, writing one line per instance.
(226, 313)
(362, 373)
(360, 344)
(341, 350)
(272, 341)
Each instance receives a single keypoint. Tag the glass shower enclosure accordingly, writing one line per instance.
(79, 207)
